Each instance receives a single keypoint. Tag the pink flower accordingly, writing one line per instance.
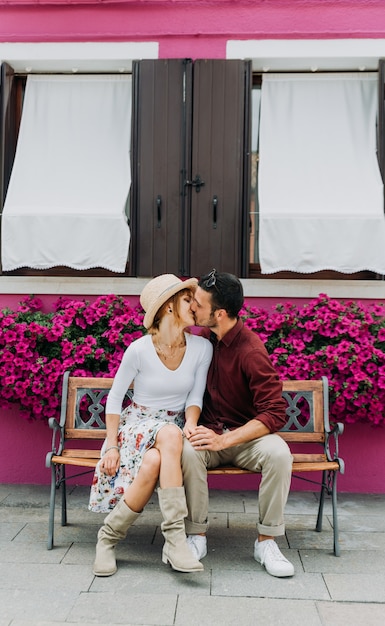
(341, 340)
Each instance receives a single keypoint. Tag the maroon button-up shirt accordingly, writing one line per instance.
(242, 383)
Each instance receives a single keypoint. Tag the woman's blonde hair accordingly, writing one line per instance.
(175, 301)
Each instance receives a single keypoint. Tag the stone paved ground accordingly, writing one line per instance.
(40, 587)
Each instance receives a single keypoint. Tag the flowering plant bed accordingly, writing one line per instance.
(344, 341)
(36, 348)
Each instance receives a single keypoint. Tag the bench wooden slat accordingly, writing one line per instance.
(295, 437)
(299, 457)
(316, 467)
(79, 454)
(82, 433)
(91, 461)
(101, 433)
(301, 466)
(78, 461)
(84, 382)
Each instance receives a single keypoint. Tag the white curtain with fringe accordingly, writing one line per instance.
(67, 196)
(320, 188)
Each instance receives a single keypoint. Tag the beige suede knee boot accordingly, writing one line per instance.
(115, 528)
(173, 506)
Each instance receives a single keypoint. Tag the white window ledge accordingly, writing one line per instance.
(253, 288)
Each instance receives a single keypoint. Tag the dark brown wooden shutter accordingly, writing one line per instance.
(190, 124)
(219, 211)
(8, 133)
(8, 130)
(158, 219)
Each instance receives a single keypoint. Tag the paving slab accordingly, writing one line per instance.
(44, 605)
(245, 612)
(123, 608)
(18, 622)
(78, 532)
(10, 530)
(361, 503)
(227, 501)
(350, 562)
(50, 578)
(17, 514)
(305, 501)
(34, 552)
(25, 496)
(257, 584)
(310, 539)
(306, 522)
(154, 580)
(361, 523)
(367, 587)
(363, 541)
(353, 614)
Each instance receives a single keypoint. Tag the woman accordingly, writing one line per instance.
(144, 442)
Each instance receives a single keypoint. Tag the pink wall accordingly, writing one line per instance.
(197, 29)
(24, 445)
(12, 301)
(32, 440)
(193, 28)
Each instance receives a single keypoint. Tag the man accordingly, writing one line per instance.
(242, 410)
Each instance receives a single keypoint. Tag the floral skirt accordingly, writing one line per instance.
(137, 431)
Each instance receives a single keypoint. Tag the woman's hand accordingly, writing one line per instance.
(192, 414)
(110, 462)
(189, 428)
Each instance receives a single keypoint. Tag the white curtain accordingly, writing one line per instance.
(70, 181)
(320, 189)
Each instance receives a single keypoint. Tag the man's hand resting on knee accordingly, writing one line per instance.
(203, 438)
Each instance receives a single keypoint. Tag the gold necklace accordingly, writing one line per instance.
(173, 349)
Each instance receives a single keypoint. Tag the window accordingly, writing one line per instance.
(197, 130)
(315, 175)
(68, 190)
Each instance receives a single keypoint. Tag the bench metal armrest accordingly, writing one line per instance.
(57, 440)
(332, 431)
(58, 426)
(331, 444)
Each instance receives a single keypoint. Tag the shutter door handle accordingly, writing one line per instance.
(159, 210)
(215, 211)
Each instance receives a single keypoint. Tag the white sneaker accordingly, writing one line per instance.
(197, 545)
(268, 554)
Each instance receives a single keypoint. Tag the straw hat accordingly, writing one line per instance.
(159, 290)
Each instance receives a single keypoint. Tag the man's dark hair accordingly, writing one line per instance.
(226, 291)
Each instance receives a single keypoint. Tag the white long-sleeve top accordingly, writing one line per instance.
(156, 386)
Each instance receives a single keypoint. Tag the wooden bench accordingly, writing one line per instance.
(82, 423)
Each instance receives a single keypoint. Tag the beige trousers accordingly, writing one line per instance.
(269, 455)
